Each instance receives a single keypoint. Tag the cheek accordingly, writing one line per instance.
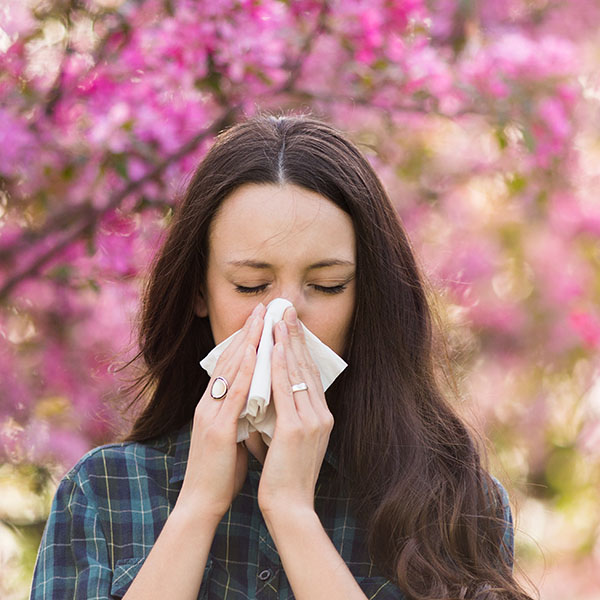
(343, 326)
(341, 337)
(227, 317)
(331, 332)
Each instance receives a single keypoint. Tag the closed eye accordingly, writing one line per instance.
(250, 290)
(336, 289)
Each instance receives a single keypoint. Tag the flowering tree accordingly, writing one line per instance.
(480, 117)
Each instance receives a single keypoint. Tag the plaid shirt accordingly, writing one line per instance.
(110, 508)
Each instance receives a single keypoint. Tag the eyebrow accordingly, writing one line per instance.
(331, 262)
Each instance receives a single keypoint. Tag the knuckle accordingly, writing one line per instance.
(226, 354)
(214, 435)
(279, 382)
(295, 376)
(237, 394)
(199, 413)
(303, 364)
(247, 366)
(328, 421)
(313, 427)
(199, 422)
(292, 327)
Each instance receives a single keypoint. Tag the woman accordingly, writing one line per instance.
(390, 502)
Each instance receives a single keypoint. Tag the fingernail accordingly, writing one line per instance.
(290, 315)
(257, 309)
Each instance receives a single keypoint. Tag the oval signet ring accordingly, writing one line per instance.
(219, 388)
(299, 387)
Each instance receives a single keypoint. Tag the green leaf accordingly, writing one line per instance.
(61, 273)
(528, 139)
(68, 172)
(501, 138)
(119, 163)
(515, 183)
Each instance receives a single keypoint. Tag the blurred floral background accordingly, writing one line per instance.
(481, 117)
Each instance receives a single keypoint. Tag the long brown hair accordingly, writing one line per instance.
(434, 516)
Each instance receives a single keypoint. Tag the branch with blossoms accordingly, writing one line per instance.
(82, 219)
(100, 112)
(371, 61)
(89, 217)
(480, 117)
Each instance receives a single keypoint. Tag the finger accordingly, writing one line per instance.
(301, 351)
(301, 365)
(229, 364)
(306, 404)
(282, 389)
(235, 399)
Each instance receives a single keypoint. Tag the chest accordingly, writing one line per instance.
(243, 561)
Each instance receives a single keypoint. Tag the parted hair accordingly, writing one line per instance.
(434, 517)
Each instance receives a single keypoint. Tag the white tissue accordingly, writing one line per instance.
(259, 414)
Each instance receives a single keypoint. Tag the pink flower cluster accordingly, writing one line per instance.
(471, 118)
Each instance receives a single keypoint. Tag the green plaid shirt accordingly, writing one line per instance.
(110, 508)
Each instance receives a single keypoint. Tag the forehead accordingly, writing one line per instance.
(280, 224)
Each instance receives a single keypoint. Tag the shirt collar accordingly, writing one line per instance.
(182, 449)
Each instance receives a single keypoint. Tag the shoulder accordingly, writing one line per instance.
(119, 461)
(501, 498)
(505, 520)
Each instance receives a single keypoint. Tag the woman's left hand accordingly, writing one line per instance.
(303, 425)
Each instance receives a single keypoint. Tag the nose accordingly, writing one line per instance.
(293, 294)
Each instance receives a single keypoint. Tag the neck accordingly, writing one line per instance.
(256, 446)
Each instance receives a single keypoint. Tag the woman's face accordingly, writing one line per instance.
(269, 241)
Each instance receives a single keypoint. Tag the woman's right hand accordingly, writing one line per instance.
(217, 465)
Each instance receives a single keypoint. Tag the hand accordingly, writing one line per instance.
(217, 465)
(303, 425)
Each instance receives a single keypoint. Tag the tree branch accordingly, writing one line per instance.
(306, 49)
(91, 216)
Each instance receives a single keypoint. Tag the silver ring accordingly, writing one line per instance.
(299, 387)
(219, 388)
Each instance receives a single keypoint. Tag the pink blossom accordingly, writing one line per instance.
(66, 446)
(514, 60)
(590, 221)
(467, 261)
(115, 254)
(38, 295)
(16, 396)
(427, 69)
(561, 275)
(497, 193)
(16, 18)
(57, 445)
(17, 143)
(506, 319)
(10, 233)
(587, 325)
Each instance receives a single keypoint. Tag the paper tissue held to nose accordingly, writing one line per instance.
(259, 413)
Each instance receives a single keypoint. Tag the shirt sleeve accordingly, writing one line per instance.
(380, 588)
(72, 561)
(508, 539)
